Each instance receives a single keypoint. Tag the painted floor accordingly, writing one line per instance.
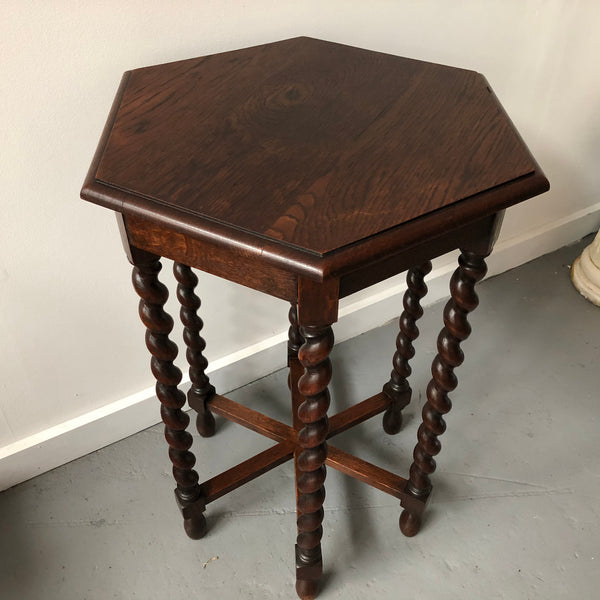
(515, 512)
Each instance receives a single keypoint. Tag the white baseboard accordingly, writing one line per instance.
(72, 439)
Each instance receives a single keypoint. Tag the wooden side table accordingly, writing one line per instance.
(307, 170)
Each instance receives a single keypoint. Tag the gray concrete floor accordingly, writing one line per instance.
(515, 511)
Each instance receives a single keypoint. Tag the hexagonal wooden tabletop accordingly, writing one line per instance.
(307, 143)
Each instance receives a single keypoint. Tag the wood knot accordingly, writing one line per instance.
(290, 94)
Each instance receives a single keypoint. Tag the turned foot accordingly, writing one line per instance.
(194, 521)
(205, 424)
(392, 422)
(195, 528)
(392, 418)
(307, 589)
(309, 570)
(410, 523)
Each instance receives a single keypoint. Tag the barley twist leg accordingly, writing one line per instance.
(159, 324)
(201, 390)
(314, 357)
(397, 388)
(471, 269)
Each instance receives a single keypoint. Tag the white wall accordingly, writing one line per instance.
(71, 341)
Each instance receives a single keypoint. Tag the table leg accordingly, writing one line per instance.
(471, 269)
(295, 341)
(159, 324)
(201, 390)
(314, 356)
(397, 388)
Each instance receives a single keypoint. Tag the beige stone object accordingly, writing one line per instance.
(585, 272)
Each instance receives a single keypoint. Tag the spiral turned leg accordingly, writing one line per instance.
(201, 390)
(397, 388)
(314, 356)
(159, 324)
(471, 269)
(295, 339)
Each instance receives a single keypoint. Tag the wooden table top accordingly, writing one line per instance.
(310, 147)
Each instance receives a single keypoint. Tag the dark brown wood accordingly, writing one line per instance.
(317, 302)
(357, 413)
(252, 419)
(363, 471)
(471, 269)
(397, 388)
(375, 476)
(296, 370)
(159, 324)
(307, 170)
(288, 438)
(246, 471)
(295, 339)
(314, 356)
(416, 250)
(312, 117)
(201, 390)
(403, 242)
(233, 264)
(279, 432)
(317, 309)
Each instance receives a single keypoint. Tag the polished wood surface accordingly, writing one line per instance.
(309, 171)
(153, 296)
(463, 300)
(314, 357)
(201, 390)
(348, 142)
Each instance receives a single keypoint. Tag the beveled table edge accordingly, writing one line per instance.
(291, 258)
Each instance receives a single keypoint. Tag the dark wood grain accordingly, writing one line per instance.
(394, 248)
(252, 419)
(357, 413)
(312, 118)
(417, 249)
(307, 170)
(236, 265)
(246, 471)
(383, 480)
(375, 476)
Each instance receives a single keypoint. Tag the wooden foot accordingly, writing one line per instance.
(456, 329)
(307, 589)
(159, 324)
(308, 574)
(397, 388)
(194, 521)
(410, 523)
(201, 390)
(312, 413)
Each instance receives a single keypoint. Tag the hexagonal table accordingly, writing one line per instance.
(307, 170)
